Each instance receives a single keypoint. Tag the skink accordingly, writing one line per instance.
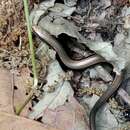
(81, 64)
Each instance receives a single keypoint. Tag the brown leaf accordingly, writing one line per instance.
(22, 84)
(6, 91)
(12, 122)
(70, 116)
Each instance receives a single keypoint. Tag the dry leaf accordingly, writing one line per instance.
(52, 100)
(70, 116)
(22, 83)
(12, 122)
(60, 91)
(6, 91)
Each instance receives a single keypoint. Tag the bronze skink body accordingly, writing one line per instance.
(81, 64)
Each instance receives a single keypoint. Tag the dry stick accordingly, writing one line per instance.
(35, 79)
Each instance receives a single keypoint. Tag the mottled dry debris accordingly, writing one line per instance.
(14, 51)
(12, 23)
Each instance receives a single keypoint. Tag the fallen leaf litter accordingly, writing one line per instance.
(103, 22)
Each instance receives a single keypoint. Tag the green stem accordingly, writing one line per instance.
(35, 79)
(30, 43)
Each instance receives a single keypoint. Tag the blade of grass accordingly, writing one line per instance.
(26, 10)
(35, 79)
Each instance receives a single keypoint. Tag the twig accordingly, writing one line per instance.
(17, 17)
